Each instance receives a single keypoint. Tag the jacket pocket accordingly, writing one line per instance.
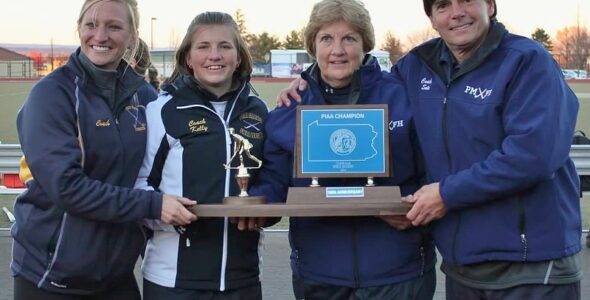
(79, 259)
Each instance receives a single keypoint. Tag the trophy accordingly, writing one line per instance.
(242, 147)
(334, 141)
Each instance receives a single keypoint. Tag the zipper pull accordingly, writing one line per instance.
(524, 241)
(423, 258)
(188, 242)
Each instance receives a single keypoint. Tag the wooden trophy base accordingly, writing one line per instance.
(248, 200)
(314, 202)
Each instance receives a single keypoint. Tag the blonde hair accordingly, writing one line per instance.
(133, 14)
(211, 18)
(352, 12)
(142, 58)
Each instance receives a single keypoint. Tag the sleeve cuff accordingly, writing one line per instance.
(156, 205)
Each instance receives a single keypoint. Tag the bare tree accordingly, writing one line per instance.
(572, 47)
(418, 37)
(392, 45)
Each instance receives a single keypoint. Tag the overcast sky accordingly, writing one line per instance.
(38, 21)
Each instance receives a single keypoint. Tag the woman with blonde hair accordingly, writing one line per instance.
(82, 129)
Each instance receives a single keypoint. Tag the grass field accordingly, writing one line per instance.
(13, 94)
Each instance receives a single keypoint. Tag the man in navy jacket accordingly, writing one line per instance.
(495, 120)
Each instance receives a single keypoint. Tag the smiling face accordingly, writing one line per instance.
(213, 57)
(462, 24)
(339, 52)
(105, 33)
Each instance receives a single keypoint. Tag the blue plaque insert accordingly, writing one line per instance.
(342, 141)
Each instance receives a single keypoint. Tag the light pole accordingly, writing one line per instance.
(267, 61)
(152, 33)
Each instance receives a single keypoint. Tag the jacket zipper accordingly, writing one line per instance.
(449, 166)
(223, 266)
(355, 266)
(225, 124)
(227, 185)
(446, 132)
(522, 229)
(423, 261)
(424, 244)
(54, 256)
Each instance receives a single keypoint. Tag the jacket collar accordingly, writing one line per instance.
(187, 91)
(112, 86)
(431, 51)
(194, 85)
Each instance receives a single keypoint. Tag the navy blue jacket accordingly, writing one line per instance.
(497, 137)
(350, 251)
(77, 229)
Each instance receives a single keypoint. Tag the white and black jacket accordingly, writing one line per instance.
(188, 143)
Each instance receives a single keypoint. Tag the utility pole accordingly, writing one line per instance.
(152, 33)
(52, 67)
(578, 55)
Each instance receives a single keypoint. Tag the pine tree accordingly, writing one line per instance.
(543, 38)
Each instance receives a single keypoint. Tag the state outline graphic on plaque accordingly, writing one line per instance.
(347, 142)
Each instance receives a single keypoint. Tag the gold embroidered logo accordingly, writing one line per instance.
(252, 127)
(105, 123)
(139, 126)
(134, 112)
(198, 126)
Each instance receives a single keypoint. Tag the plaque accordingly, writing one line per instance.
(342, 141)
(331, 141)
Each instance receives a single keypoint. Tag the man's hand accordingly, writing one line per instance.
(293, 91)
(397, 222)
(174, 211)
(248, 223)
(428, 205)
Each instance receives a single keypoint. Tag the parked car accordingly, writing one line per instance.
(574, 74)
(569, 74)
(581, 74)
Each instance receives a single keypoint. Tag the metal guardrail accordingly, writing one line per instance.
(10, 155)
(580, 154)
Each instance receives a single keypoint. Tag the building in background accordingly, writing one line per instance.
(291, 62)
(280, 64)
(288, 63)
(15, 65)
(164, 61)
